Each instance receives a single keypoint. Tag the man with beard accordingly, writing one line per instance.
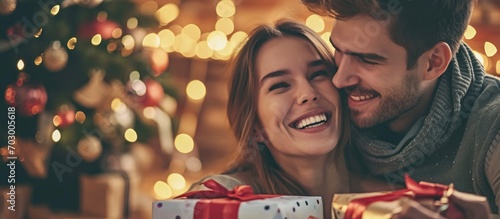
(419, 100)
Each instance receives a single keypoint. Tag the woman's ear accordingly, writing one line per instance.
(437, 60)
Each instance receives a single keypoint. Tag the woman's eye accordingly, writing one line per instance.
(278, 86)
(320, 73)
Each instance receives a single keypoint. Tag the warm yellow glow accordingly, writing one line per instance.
(225, 8)
(56, 120)
(184, 143)
(117, 33)
(238, 38)
(479, 56)
(167, 38)
(490, 49)
(134, 76)
(192, 31)
(139, 87)
(193, 164)
(149, 112)
(132, 23)
(148, 7)
(96, 40)
(117, 104)
(55, 10)
(470, 32)
(162, 190)
(183, 43)
(38, 60)
(71, 43)
(20, 65)
(191, 52)
(111, 47)
(56, 135)
(151, 40)
(203, 51)
(326, 37)
(130, 135)
(128, 42)
(225, 25)
(102, 16)
(196, 90)
(38, 33)
(80, 117)
(167, 13)
(225, 53)
(498, 67)
(316, 23)
(217, 40)
(176, 181)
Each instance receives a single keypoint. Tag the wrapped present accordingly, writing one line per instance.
(382, 205)
(104, 195)
(239, 203)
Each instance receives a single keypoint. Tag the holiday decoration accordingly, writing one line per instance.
(147, 93)
(65, 116)
(104, 28)
(55, 57)
(7, 6)
(29, 99)
(89, 148)
(90, 95)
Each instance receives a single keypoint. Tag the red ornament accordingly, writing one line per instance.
(104, 28)
(147, 93)
(65, 116)
(29, 99)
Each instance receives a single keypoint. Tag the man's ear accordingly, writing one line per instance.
(437, 60)
(258, 133)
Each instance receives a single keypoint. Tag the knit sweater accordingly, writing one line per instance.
(455, 143)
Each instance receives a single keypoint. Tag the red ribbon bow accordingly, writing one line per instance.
(219, 202)
(413, 190)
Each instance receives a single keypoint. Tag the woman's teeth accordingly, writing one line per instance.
(312, 121)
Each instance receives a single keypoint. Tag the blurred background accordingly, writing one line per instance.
(121, 103)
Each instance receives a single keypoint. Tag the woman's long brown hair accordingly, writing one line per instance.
(255, 164)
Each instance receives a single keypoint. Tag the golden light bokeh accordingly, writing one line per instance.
(56, 135)
(217, 40)
(134, 75)
(96, 40)
(176, 181)
(203, 51)
(167, 13)
(167, 38)
(490, 49)
(71, 43)
(20, 65)
(38, 60)
(80, 117)
(152, 40)
(470, 32)
(130, 135)
(55, 10)
(149, 112)
(193, 164)
(196, 90)
(225, 25)
(162, 190)
(128, 42)
(498, 67)
(225, 8)
(117, 33)
(192, 31)
(132, 23)
(184, 143)
(316, 23)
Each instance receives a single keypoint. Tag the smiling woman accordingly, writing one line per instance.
(287, 115)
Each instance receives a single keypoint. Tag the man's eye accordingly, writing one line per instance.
(278, 86)
(367, 62)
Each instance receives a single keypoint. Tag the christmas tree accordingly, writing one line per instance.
(80, 84)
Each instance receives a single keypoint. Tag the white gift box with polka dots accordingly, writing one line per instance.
(283, 207)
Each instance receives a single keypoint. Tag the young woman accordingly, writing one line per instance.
(288, 116)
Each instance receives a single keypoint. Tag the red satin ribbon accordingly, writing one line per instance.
(219, 202)
(414, 190)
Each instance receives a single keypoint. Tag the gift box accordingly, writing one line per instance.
(382, 205)
(239, 203)
(104, 195)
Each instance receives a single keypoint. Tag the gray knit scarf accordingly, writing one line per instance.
(463, 80)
